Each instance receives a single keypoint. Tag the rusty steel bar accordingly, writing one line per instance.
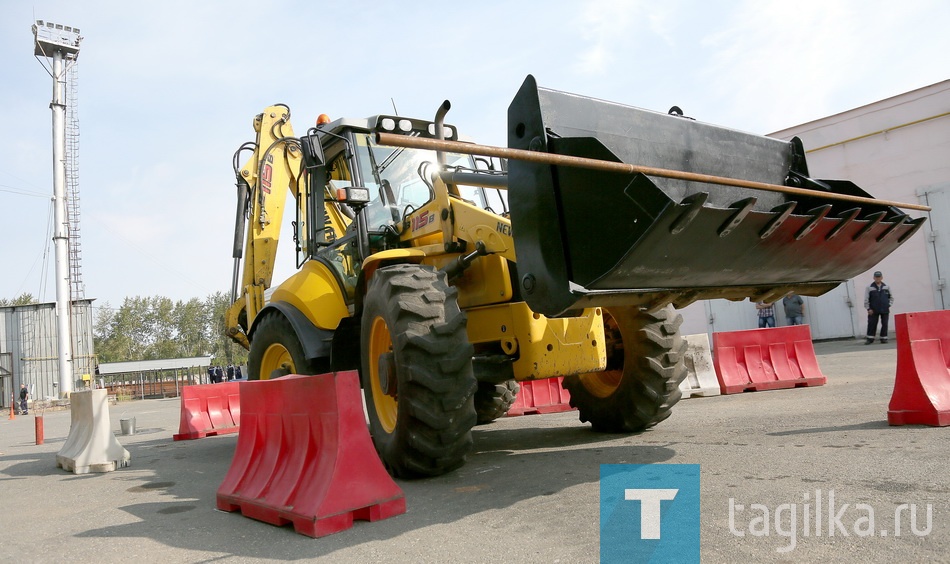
(394, 140)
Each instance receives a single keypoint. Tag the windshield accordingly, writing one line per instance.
(393, 177)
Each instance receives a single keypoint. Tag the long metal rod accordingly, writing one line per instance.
(394, 140)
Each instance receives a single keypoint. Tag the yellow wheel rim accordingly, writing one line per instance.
(276, 357)
(380, 342)
(603, 384)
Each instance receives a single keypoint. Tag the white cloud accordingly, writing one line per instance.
(602, 25)
(793, 62)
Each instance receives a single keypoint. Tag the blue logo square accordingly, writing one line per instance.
(649, 513)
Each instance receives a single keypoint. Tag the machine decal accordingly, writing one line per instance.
(267, 173)
(420, 221)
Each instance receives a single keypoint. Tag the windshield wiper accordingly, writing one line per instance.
(395, 154)
(374, 168)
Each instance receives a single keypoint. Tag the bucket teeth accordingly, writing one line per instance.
(898, 221)
(742, 207)
(694, 205)
(915, 225)
(872, 220)
(782, 212)
(847, 217)
(817, 214)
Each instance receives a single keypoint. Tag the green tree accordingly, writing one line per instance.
(155, 327)
(223, 349)
(163, 329)
(25, 298)
(102, 332)
(191, 328)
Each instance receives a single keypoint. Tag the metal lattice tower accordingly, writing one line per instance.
(77, 289)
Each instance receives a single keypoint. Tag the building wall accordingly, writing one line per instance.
(29, 334)
(896, 149)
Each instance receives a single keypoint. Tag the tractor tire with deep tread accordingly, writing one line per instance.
(276, 350)
(494, 400)
(645, 366)
(412, 326)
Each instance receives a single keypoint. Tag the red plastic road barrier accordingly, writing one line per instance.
(541, 396)
(304, 456)
(922, 384)
(209, 409)
(766, 359)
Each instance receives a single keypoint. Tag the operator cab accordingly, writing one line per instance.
(398, 181)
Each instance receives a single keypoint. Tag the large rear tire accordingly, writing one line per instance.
(417, 371)
(645, 365)
(276, 351)
(494, 400)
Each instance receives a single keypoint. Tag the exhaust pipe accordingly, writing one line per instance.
(440, 130)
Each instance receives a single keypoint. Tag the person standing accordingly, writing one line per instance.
(24, 393)
(766, 314)
(794, 308)
(878, 300)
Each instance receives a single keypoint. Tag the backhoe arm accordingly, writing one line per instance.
(267, 176)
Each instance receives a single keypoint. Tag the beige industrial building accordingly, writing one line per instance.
(896, 149)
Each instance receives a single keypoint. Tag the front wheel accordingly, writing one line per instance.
(276, 351)
(417, 371)
(645, 365)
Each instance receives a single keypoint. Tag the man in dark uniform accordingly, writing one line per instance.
(878, 300)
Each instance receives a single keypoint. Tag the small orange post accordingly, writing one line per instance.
(39, 429)
(12, 407)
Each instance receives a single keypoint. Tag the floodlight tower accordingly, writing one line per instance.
(60, 43)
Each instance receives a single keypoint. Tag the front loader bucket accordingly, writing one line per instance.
(586, 237)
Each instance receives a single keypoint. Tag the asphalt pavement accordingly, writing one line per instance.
(530, 491)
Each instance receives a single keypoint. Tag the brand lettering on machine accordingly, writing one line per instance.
(504, 228)
(267, 174)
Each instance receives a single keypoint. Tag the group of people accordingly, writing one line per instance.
(878, 300)
(217, 374)
(794, 311)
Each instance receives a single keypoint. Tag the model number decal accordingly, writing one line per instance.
(420, 221)
(267, 174)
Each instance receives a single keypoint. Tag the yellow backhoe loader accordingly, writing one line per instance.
(446, 272)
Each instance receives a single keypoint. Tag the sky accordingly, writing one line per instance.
(167, 92)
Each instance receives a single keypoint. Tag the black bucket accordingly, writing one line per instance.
(592, 238)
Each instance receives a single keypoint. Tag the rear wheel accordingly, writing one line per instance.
(645, 365)
(417, 371)
(494, 400)
(276, 351)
